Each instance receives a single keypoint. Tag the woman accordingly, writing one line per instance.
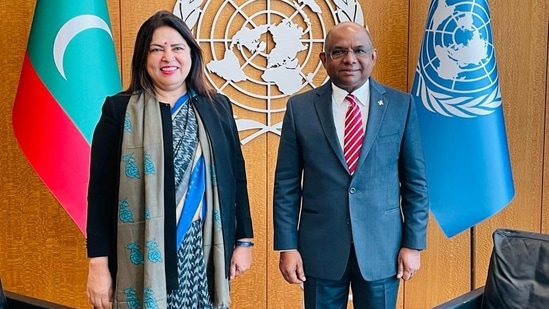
(168, 212)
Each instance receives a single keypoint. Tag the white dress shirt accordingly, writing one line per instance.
(340, 106)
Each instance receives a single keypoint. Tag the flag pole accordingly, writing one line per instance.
(473, 263)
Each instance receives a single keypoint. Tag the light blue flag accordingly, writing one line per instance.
(456, 88)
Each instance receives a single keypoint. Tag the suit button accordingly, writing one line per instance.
(352, 190)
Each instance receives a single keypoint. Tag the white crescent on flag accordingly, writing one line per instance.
(69, 30)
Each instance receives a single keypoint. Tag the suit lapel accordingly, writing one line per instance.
(378, 106)
(323, 106)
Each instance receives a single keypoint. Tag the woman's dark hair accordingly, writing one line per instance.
(140, 79)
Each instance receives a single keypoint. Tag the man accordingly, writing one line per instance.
(360, 223)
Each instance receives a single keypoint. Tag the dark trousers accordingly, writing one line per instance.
(328, 294)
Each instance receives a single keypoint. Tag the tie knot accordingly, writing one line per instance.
(351, 98)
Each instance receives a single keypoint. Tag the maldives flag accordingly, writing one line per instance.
(69, 67)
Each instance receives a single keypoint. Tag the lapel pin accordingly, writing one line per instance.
(380, 102)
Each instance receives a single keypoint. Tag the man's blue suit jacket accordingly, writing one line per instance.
(320, 209)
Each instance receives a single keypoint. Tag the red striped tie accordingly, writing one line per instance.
(353, 134)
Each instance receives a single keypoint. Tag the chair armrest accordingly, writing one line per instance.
(470, 300)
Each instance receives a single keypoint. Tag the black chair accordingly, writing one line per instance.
(470, 300)
(3, 300)
(518, 274)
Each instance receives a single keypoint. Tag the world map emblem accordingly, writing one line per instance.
(259, 53)
(457, 74)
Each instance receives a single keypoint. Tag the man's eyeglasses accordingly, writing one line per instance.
(338, 53)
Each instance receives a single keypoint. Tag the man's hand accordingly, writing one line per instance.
(408, 263)
(291, 266)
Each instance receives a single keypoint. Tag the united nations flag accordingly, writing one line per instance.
(456, 88)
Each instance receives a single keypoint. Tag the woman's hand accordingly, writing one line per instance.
(99, 283)
(241, 261)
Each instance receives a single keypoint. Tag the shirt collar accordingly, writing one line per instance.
(361, 93)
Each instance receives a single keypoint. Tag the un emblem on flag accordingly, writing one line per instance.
(456, 73)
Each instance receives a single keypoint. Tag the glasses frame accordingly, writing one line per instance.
(358, 52)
